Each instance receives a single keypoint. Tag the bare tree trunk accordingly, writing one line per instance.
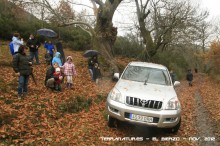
(105, 48)
(105, 32)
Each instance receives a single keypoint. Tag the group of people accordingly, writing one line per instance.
(54, 76)
(189, 76)
(50, 49)
(59, 68)
(22, 63)
(33, 44)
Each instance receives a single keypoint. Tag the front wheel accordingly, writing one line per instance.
(173, 129)
(112, 122)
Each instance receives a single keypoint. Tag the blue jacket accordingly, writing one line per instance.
(50, 48)
(57, 59)
(11, 46)
(45, 45)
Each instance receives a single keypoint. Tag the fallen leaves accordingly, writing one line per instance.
(38, 120)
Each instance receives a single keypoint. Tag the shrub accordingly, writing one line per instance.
(75, 104)
(127, 47)
(212, 61)
(173, 61)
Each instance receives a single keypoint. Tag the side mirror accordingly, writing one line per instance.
(116, 77)
(176, 84)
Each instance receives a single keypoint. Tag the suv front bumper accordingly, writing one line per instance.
(161, 118)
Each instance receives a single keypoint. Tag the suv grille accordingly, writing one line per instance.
(143, 103)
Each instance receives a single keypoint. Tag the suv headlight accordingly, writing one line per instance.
(173, 104)
(116, 95)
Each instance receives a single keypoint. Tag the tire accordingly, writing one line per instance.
(112, 122)
(173, 129)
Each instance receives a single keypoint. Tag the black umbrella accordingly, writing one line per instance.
(90, 53)
(47, 32)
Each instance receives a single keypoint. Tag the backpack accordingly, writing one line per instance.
(11, 47)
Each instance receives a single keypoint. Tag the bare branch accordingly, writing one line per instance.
(95, 9)
(145, 6)
(79, 4)
(145, 15)
(99, 2)
(90, 31)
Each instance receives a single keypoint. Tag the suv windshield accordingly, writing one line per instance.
(147, 75)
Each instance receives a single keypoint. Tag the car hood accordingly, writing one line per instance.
(148, 91)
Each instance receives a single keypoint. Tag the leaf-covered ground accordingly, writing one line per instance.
(78, 116)
(210, 92)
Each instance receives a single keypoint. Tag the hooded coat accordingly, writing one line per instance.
(16, 43)
(57, 59)
(69, 68)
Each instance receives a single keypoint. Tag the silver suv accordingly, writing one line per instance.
(144, 94)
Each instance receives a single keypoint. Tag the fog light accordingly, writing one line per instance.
(171, 119)
(113, 109)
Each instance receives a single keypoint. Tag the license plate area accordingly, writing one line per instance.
(141, 118)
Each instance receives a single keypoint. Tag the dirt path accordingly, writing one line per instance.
(204, 123)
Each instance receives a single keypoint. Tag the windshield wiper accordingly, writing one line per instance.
(145, 82)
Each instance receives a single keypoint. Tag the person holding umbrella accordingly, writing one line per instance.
(91, 62)
(33, 45)
(93, 54)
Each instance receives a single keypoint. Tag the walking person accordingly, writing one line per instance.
(189, 77)
(22, 67)
(173, 76)
(96, 73)
(33, 45)
(17, 41)
(69, 71)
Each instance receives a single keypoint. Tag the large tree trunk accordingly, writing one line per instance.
(105, 32)
(104, 41)
(142, 14)
(149, 50)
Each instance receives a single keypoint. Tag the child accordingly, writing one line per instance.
(57, 59)
(49, 47)
(96, 73)
(69, 71)
(48, 58)
(57, 83)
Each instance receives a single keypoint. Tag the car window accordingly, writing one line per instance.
(146, 74)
